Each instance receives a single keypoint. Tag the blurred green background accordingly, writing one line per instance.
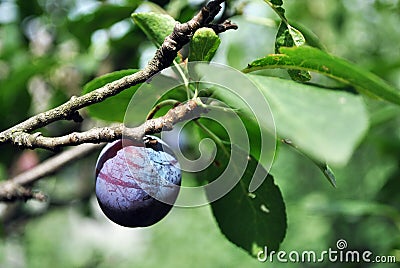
(49, 49)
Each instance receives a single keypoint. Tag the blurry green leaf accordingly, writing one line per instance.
(11, 41)
(14, 89)
(203, 45)
(103, 17)
(249, 220)
(155, 26)
(113, 108)
(358, 209)
(308, 58)
(326, 125)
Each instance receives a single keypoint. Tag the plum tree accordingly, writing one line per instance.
(137, 183)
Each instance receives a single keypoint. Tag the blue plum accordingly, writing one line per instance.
(137, 184)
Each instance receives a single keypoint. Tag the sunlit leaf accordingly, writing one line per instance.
(308, 58)
(156, 26)
(203, 45)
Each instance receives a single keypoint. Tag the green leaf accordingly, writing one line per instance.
(113, 108)
(297, 36)
(156, 26)
(203, 45)
(326, 170)
(254, 220)
(289, 36)
(103, 17)
(325, 125)
(242, 115)
(311, 38)
(311, 59)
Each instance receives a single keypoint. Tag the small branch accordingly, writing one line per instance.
(186, 111)
(223, 27)
(163, 57)
(13, 189)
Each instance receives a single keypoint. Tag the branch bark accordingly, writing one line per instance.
(186, 111)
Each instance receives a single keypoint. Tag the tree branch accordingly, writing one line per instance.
(162, 59)
(12, 189)
(186, 111)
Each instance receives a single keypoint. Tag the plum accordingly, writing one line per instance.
(137, 183)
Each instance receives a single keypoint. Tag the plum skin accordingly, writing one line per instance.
(137, 184)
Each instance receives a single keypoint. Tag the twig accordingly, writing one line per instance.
(226, 25)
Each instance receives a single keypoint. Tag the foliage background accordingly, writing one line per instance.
(49, 49)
